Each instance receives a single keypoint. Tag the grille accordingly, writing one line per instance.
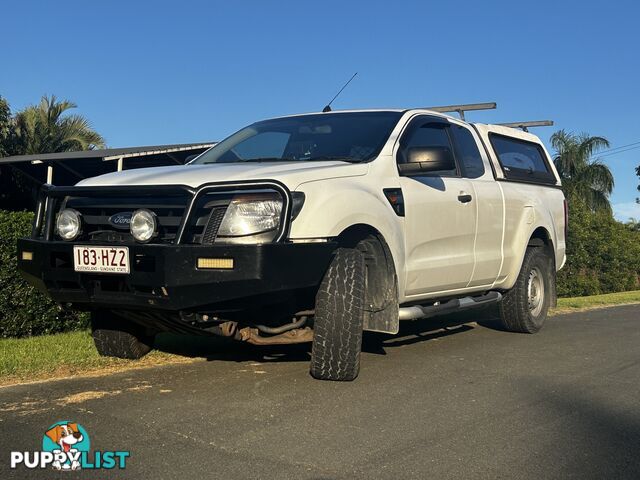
(170, 205)
(96, 212)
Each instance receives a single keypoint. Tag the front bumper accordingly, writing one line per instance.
(166, 277)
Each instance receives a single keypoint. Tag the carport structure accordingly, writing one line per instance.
(68, 168)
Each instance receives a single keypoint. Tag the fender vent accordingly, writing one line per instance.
(213, 225)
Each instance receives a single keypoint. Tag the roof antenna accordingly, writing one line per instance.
(328, 107)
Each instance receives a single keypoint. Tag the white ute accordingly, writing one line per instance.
(310, 227)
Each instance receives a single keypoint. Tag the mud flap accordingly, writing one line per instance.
(381, 305)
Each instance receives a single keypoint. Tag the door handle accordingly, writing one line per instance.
(464, 198)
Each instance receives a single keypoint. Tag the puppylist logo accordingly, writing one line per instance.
(66, 446)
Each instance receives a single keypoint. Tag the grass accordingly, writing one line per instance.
(572, 304)
(63, 355)
(73, 353)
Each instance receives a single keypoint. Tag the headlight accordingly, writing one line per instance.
(251, 214)
(143, 225)
(68, 224)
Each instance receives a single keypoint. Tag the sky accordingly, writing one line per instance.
(148, 73)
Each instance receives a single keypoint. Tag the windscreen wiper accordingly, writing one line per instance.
(268, 159)
(335, 159)
(256, 160)
(279, 159)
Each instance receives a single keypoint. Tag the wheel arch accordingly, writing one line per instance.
(350, 236)
(382, 306)
(540, 237)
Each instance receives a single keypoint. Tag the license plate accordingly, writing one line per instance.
(101, 259)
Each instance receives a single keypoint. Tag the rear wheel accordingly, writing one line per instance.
(339, 318)
(114, 336)
(524, 308)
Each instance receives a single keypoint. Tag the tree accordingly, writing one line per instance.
(43, 128)
(638, 173)
(5, 127)
(583, 177)
(633, 225)
(14, 189)
(603, 255)
(47, 128)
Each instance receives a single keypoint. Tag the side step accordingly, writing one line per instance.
(455, 305)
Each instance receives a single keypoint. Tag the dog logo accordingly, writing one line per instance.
(66, 441)
(66, 447)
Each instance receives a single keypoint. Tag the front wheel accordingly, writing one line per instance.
(114, 336)
(524, 308)
(339, 318)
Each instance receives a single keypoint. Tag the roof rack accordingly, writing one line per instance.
(465, 107)
(525, 125)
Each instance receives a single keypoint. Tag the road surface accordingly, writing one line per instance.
(441, 400)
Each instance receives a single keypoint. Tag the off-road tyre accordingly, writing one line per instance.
(114, 336)
(339, 317)
(518, 311)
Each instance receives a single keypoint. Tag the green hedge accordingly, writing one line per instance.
(603, 255)
(25, 311)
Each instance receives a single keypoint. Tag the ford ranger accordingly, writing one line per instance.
(309, 228)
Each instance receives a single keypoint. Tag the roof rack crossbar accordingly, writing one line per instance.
(465, 107)
(526, 125)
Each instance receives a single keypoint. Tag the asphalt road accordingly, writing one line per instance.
(467, 401)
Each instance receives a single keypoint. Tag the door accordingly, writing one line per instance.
(488, 198)
(440, 215)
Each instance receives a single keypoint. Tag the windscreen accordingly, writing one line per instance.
(349, 136)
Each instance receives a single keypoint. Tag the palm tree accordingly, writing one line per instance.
(583, 177)
(45, 128)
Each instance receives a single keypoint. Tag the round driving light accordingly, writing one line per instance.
(143, 225)
(68, 224)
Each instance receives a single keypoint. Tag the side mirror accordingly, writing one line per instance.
(427, 159)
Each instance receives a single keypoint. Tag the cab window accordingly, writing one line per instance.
(521, 160)
(427, 133)
(467, 152)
